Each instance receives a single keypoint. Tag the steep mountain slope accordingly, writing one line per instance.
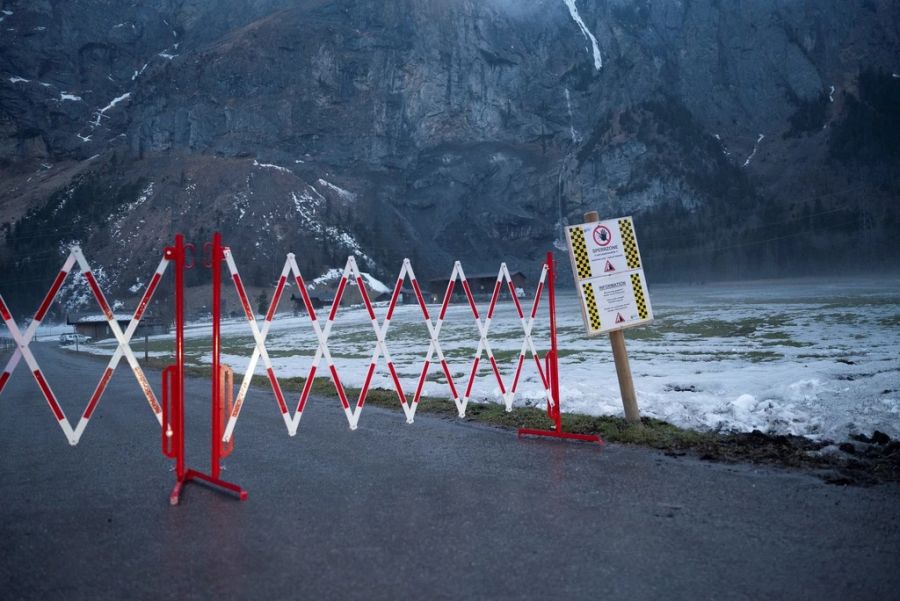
(748, 139)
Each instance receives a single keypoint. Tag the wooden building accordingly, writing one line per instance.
(97, 328)
(481, 285)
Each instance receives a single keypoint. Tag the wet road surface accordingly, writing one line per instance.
(435, 510)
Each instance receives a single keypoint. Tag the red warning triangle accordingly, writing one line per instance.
(619, 318)
(608, 267)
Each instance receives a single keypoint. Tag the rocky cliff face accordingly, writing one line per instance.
(740, 135)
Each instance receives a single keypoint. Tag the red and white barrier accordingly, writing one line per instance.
(322, 332)
(124, 349)
(434, 332)
(528, 342)
(503, 277)
(172, 432)
(259, 348)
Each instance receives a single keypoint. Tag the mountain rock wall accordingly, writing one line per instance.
(748, 139)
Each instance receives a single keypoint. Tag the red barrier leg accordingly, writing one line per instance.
(555, 413)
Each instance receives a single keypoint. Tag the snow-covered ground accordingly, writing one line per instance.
(811, 357)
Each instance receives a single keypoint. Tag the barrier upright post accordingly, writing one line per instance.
(216, 258)
(554, 411)
(180, 261)
(174, 420)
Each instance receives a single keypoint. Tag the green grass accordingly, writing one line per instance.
(652, 432)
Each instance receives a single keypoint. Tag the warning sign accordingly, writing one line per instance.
(604, 247)
(608, 271)
(615, 301)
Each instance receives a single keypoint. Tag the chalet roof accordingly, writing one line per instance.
(98, 318)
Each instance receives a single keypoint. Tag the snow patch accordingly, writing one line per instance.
(346, 240)
(329, 276)
(755, 147)
(63, 96)
(17, 79)
(75, 294)
(139, 73)
(272, 166)
(334, 274)
(166, 55)
(831, 94)
(807, 369)
(574, 134)
(124, 211)
(102, 112)
(374, 284)
(344, 194)
(84, 138)
(573, 10)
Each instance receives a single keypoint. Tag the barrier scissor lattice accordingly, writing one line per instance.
(322, 332)
(23, 340)
(484, 325)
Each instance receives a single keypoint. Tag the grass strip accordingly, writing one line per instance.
(856, 463)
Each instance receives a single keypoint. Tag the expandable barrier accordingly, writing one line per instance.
(23, 340)
(226, 409)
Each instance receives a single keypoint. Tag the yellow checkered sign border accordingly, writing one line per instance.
(632, 256)
(639, 299)
(591, 302)
(579, 247)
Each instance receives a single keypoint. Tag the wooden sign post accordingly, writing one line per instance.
(609, 277)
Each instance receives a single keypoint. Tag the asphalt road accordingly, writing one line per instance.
(436, 510)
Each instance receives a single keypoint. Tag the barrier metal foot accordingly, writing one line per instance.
(200, 477)
(566, 435)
